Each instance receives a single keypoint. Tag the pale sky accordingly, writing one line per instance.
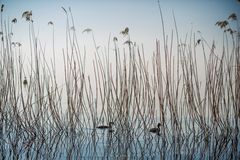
(111, 16)
(106, 17)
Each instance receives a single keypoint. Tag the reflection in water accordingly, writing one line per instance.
(101, 144)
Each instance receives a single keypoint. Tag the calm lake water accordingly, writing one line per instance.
(129, 144)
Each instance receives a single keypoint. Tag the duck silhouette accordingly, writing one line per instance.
(156, 129)
(25, 82)
(109, 126)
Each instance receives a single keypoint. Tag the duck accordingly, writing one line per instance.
(109, 126)
(156, 130)
(25, 82)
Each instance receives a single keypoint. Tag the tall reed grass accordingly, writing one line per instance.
(199, 108)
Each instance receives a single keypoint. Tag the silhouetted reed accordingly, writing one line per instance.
(196, 103)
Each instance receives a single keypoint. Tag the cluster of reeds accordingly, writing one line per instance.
(198, 108)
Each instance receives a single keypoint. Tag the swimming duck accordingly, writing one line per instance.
(109, 127)
(156, 130)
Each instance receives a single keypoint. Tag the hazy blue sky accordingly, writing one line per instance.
(111, 16)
